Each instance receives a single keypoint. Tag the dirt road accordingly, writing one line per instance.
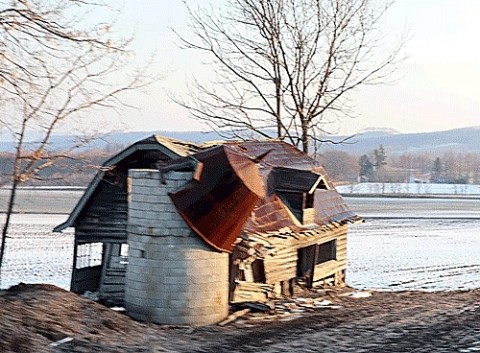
(33, 317)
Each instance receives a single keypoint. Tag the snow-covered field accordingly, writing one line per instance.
(430, 253)
(424, 254)
(33, 254)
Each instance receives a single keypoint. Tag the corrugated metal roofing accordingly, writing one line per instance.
(281, 154)
(219, 202)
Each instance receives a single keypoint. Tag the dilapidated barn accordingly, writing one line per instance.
(101, 215)
(206, 225)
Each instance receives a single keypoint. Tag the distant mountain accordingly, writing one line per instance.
(122, 138)
(460, 140)
(191, 136)
(374, 131)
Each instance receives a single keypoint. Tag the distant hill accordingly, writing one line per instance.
(459, 140)
(122, 138)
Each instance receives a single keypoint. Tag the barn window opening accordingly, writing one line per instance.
(258, 271)
(326, 252)
(124, 250)
(89, 255)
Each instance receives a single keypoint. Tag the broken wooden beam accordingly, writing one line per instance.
(234, 316)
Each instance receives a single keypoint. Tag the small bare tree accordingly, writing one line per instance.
(55, 70)
(287, 66)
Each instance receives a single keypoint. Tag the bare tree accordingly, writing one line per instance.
(55, 70)
(340, 165)
(287, 66)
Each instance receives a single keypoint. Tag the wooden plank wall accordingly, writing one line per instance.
(104, 220)
(85, 279)
(112, 288)
(283, 265)
(112, 282)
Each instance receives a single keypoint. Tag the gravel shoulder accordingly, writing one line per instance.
(34, 317)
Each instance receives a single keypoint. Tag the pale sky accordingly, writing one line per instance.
(435, 88)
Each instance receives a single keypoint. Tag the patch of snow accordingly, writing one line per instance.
(362, 294)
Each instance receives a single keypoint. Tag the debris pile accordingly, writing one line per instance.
(290, 308)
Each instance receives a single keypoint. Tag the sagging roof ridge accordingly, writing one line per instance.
(171, 147)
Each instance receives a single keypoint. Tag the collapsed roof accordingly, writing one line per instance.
(238, 186)
(256, 187)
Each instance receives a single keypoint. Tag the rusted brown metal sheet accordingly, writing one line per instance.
(330, 207)
(281, 154)
(219, 202)
(270, 215)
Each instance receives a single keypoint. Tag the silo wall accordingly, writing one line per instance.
(172, 277)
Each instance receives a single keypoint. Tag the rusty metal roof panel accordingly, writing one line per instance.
(219, 202)
(330, 207)
(281, 154)
(271, 214)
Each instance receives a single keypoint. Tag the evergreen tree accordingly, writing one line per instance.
(380, 157)
(437, 171)
(366, 167)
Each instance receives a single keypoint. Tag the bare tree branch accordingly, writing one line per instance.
(287, 64)
(57, 70)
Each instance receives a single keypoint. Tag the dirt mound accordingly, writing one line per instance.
(34, 316)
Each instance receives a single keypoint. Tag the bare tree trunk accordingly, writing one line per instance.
(6, 225)
(305, 137)
(54, 68)
(13, 191)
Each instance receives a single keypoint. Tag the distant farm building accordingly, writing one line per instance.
(175, 231)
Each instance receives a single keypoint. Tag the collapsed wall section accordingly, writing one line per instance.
(173, 277)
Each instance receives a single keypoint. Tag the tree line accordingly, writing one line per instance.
(342, 167)
(77, 170)
(379, 166)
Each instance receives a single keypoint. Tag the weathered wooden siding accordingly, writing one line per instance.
(112, 281)
(112, 288)
(283, 265)
(85, 279)
(106, 217)
(105, 220)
